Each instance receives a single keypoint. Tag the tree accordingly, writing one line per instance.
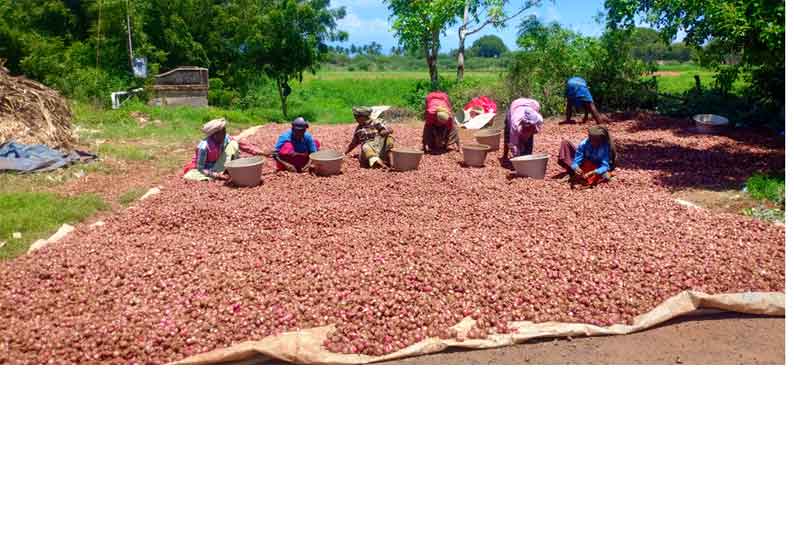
(647, 44)
(549, 55)
(284, 38)
(419, 25)
(754, 30)
(477, 14)
(488, 47)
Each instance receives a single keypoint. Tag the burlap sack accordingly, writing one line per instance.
(306, 346)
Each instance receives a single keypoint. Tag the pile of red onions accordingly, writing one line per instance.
(392, 258)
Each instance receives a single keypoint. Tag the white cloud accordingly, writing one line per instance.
(354, 24)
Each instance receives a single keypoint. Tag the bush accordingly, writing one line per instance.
(220, 95)
(552, 54)
(768, 187)
(741, 110)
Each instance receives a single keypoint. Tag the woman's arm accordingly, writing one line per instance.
(312, 144)
(287, 165)
(201, 161)
(604, 160)
(579, 158)
(353, 144)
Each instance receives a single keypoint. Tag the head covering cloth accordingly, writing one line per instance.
(214, 126)
(300, 123)
(362, 111)
(601, 131)
(532, 117)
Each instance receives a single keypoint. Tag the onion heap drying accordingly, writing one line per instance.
(392, 258)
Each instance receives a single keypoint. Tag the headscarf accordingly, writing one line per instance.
(300, 123)
(602, 131)
(533, 118)
(361, 111)
(520, 110)
(214, 126)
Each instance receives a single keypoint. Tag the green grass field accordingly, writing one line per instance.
(38, 215)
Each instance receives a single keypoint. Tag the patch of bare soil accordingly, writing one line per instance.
(667, 74)
(705, 339)
(727, 201)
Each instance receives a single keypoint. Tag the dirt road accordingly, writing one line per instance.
(709, 338)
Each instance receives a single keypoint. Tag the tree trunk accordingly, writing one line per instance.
(461, 56)
(432, 60)
(282, 94)
(462, 42)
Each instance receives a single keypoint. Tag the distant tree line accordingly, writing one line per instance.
(85, 48)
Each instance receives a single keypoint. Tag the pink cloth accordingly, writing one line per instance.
(433, 102)
(287, 153)
(523, 110)
(484, 103)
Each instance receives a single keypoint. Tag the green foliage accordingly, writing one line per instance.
(84, 52)
(765, 213)
(285, 38)
(743, 110)
(220, 95)
(648, 44)
(38, 214)
(765, 186)
(551, 54)
(752, 32)
(488, 47)
(419, 25)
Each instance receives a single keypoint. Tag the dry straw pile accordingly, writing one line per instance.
(33, 113)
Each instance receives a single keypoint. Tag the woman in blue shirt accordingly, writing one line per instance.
(590, 162)
(294, 146)
(578, 95)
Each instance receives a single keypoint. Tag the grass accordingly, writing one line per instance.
(770, 187)
(131, 196)
(770, 190)
(685, 80)
(38, 215)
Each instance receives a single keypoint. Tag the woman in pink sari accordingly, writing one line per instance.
(522, 121)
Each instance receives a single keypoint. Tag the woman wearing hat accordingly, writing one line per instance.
(522, 121)
(375, 139)
(294, 146)
(590, 162)
(440, 132)
(212, 153)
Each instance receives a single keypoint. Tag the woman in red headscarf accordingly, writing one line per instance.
(440, 132)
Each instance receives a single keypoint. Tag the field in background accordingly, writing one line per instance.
(678, 78)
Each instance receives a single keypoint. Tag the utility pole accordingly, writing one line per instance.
(129, 36)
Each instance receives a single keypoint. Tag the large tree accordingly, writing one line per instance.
(419, 25)
(285, 38)
(488, 47)
(753, 30)
(477, 14)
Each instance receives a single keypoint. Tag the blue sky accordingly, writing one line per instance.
(368, 21)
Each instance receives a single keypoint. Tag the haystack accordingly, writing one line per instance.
(32, 113)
